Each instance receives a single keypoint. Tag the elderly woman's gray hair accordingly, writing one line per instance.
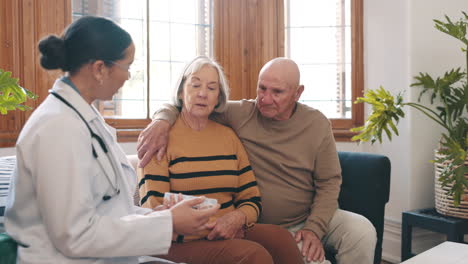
(194, 66)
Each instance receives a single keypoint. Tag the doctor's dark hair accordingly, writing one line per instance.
(86, 40)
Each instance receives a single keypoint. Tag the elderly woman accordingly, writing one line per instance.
(206, 158)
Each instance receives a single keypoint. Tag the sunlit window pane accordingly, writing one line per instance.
(165, 38)
(179, 31)
(318, 39)
(130, 100)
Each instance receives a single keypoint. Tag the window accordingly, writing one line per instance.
(321, 36)
(167, 34)
(242, 35)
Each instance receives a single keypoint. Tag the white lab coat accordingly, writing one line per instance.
(56, 207)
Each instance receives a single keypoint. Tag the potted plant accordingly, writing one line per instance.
(450, 93)
(11, 94)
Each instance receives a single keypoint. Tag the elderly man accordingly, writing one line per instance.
(293, 155)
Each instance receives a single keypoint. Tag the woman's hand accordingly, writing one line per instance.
(169, 203)
(228, 226)
(172, 200)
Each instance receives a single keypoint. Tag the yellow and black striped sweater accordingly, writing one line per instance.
(211, 163)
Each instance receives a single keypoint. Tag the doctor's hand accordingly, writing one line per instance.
(312, 247)
(153, 141)
(169, 203)
(188, 221)
(228, 226)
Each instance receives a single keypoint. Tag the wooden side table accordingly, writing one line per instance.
(454, 228)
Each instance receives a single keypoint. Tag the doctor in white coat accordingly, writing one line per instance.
(71, 196)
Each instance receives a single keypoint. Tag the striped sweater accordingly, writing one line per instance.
(211, 162)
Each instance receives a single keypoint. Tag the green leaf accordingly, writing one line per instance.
(12, 96)
(395, 130)
(385, 113)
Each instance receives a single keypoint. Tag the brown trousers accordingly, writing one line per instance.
(262, 244)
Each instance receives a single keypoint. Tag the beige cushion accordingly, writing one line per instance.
(133, 159)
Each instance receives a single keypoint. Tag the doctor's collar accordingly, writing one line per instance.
(67, 80)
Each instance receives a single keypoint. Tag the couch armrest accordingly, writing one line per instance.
(366, 188)
(366, 180)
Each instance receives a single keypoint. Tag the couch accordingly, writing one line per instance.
(365, 190)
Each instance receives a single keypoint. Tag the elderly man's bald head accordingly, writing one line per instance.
(284, 69)
(278, 89)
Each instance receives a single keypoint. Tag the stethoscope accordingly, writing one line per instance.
(102, 144)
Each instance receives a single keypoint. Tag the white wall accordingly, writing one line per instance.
(433, 52)
(401, 41)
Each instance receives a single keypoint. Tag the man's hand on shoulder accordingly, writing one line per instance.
(312, 247)
(153, 141)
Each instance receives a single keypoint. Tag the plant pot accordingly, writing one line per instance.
(443, 201)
